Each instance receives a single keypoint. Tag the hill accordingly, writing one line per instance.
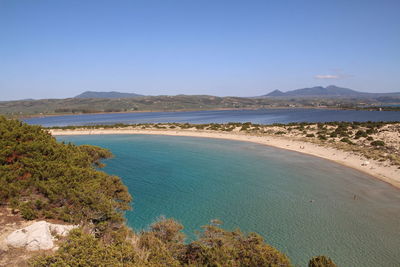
(190, 102)
(112, 94)
(329, 91)
(276, 93)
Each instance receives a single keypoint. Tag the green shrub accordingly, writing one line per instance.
(333, 134)
(370, 131)
(217, 247)
(378, 143)
(81, 249)
(321, 261)
(346, 140)
(245, 127)
(57, 180)
(163, 245)
(360, 133)
(27, 211)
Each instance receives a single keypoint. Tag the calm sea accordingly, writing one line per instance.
(301, 204)
(264, 116)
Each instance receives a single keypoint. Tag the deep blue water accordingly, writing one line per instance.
(301, 204)
(263, 116)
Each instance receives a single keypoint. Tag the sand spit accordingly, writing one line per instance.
(380, 170)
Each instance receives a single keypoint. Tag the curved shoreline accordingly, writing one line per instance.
(389, 174)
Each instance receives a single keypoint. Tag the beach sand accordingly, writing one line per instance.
(383, 171)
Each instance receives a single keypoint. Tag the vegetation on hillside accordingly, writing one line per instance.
(43, 179)
(321, 261)
(163, 245)
(176, 103)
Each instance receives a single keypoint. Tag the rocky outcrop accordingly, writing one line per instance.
(60, 229)
(39, 235)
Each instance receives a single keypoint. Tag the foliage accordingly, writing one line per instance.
(163, 245)
(82, 249)
(360, 133)
(48, 179)
(346, 140)
(28, 211)
(378, 143)
(217, 247)
(321, 261)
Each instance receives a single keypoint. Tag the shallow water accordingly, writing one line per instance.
(302, 205)
(261, 116)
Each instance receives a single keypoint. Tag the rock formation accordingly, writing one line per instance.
(39, 235)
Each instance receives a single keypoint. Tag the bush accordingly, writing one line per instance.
(378, 143)
(333, 134)
(370, 131)
(360, 133)
(81, 249)
(346, 140)
(27, 211)
(163, 245)
(217, 247)
(57, 180)
(310, 135)
(167, 230)
(321, 261)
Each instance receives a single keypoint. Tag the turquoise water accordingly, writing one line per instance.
(302, 205)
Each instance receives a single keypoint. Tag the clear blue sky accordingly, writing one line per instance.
(57, 49)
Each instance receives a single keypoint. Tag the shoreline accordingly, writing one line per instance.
(386, 173)
(29, 116)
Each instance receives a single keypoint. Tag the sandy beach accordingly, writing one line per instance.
(380, 170)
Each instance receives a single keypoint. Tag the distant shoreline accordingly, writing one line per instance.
(176, 111)
(387, 173)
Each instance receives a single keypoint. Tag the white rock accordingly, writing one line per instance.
(17, 238)
(37, 235)
(60, 229)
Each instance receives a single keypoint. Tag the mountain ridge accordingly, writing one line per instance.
(109, 94)
(328, 91)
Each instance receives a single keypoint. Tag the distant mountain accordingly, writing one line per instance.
(329, 91)
(113, 94)
(276, 93)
